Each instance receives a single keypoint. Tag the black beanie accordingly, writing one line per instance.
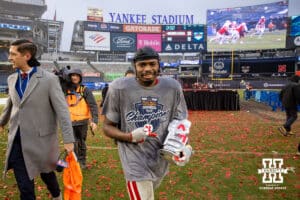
(145, 53)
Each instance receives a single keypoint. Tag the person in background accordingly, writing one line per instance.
(129, 73)
(103, 94)
(35, 104)
(248, 91)
(134, 109)
(289, 98)
(83, 111)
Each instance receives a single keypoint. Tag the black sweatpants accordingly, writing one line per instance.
(80, 133)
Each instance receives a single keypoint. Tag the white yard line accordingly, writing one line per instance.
(3, 101)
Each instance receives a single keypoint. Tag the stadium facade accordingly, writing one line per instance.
(22, 19)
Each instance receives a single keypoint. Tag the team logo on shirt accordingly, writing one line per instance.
(147, 111)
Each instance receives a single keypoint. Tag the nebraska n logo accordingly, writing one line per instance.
(272, 170)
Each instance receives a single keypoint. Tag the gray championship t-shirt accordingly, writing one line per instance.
(132, 106)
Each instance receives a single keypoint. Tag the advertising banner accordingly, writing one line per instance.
(292, 42)
(221, 68)
(91, 74)
(133, 28)
(115, 27)
(15, 25)
(99, 41)
(109, 57)
(268, 66)
(123, 42)
(295, 28)
(152, 40)
(177, 47)
(100, 26)
(95, 14)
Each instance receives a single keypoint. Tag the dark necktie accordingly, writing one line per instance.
(24, 76)
(24, 80)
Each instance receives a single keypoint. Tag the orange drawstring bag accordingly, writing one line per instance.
(72, 178)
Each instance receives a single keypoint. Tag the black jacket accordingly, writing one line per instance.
(288, 95)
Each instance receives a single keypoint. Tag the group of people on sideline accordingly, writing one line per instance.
(140, 110)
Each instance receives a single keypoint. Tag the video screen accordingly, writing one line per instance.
(247, 28)
(295, 26)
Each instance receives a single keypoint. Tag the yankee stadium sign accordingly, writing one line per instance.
(130, 18)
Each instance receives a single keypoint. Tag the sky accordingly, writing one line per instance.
(70, 11)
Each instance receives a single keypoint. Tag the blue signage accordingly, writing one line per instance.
(221, 68)
(123, 42)
(100, 26)
(15, 26)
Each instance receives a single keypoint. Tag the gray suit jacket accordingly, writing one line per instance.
(37, 114)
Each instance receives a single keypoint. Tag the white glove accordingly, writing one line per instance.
(183, 127)
(178, 129)
(140, 134)
(180, 126)
(184, 156)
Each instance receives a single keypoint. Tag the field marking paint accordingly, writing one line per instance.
(3, 101)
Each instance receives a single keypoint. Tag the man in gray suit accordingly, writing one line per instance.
(34, 106)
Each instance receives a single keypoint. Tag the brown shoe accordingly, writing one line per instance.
(290, 133)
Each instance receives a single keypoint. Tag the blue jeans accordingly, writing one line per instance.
(291, 117)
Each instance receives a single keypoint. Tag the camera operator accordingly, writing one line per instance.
(64, 79)
(84, 111)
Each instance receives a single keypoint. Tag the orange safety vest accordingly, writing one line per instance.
(79, 109)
